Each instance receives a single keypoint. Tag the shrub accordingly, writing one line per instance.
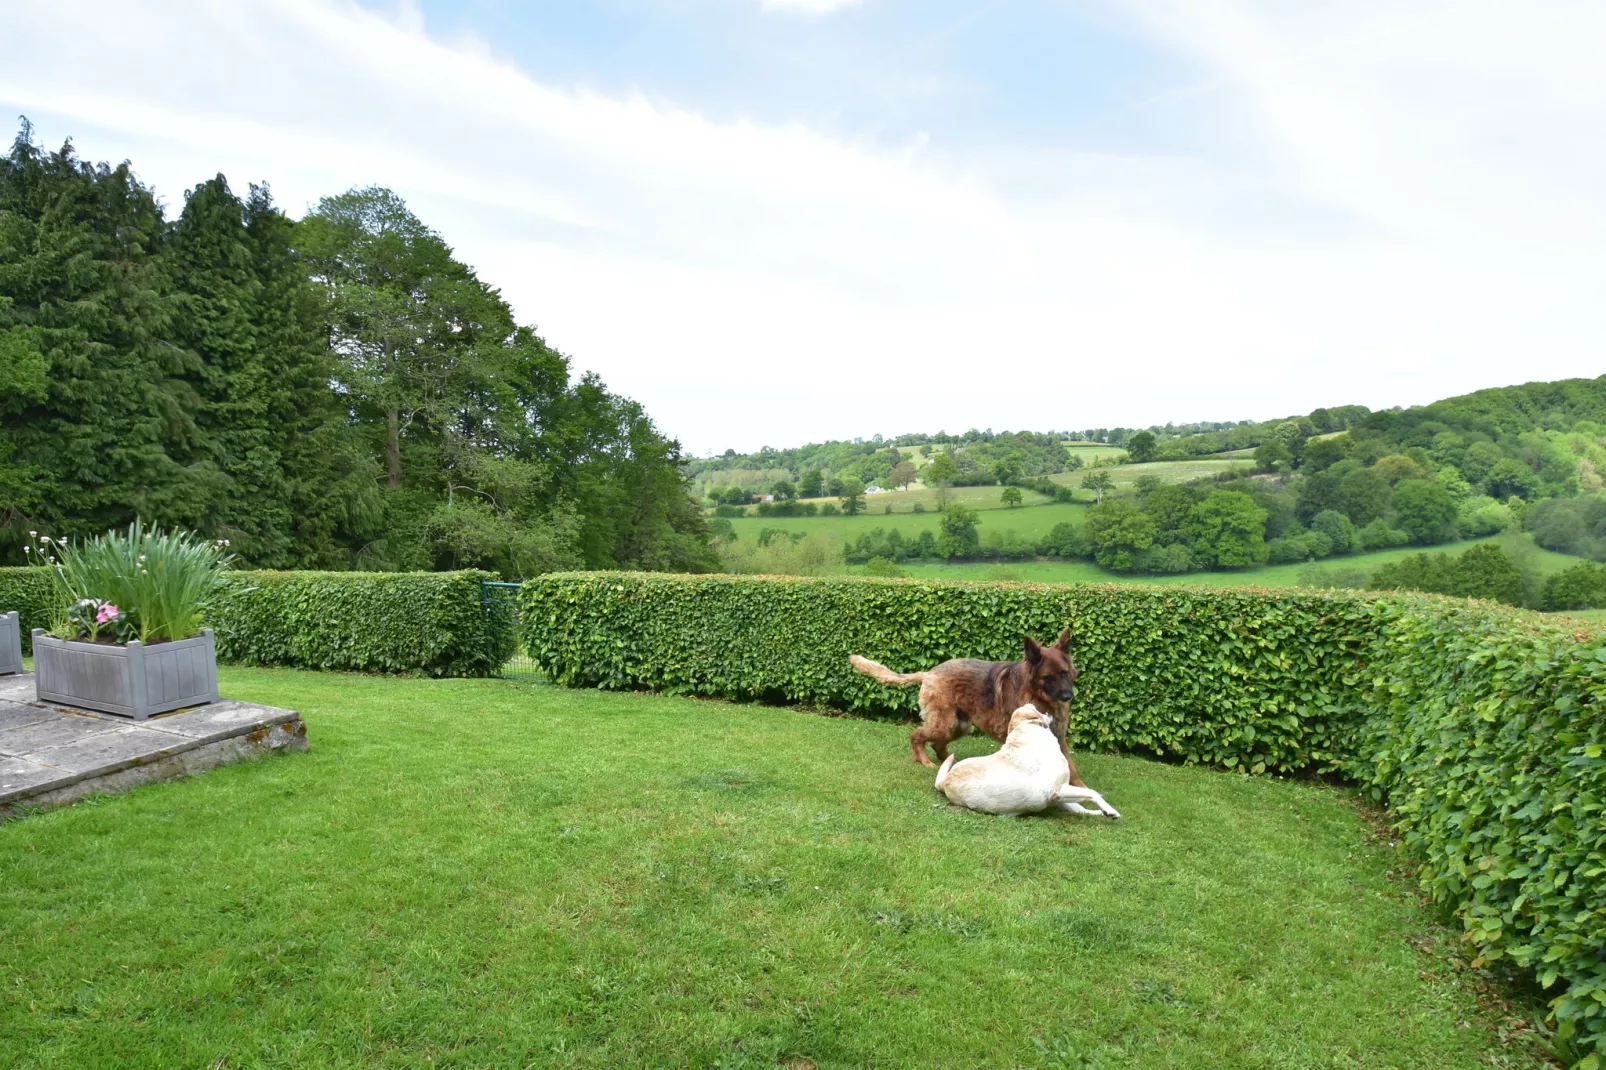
(1481, 572)
(880, 566)
(1350, 578)
(1476, 725)
(1227, 530)
(1581, 587)
(1338, 529)
(1377, 535)
(785, 509)
(1485, 740)
(31, 594)
(1288, 550)
(426, 622)
(1301, 546)
(1007, 546)
(1066, 539)
(1423, 509)
(1481, 515)
(1119, 534)
(1167, 559)
(958, 537)
(1153, 660)
(1571, 525)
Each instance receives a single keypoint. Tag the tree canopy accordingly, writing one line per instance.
(340, 392)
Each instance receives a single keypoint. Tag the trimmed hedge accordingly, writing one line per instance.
(28, 592)
(1479, 726)
(1243, 680)
(424, 622)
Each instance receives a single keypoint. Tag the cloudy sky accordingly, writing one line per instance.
(776, 221)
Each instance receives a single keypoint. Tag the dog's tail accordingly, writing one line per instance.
(942, 774)
(878, 671)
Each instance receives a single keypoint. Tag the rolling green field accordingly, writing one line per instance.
(1125, 475)
(1543, 561)
(1093, 451)
(1028, 521)
(903, 501)
(476, 873)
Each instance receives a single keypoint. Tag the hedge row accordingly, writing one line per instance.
(26, 591)
(1257, 681)
(425, 622)
(1479, 726)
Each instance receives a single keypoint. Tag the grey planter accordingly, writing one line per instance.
(10, 643)
(133, 680)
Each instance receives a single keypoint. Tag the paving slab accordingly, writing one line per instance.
(19, 775)
(15, 716)
(104, 750)
(51, 755)
(57, 730)
(17, 688)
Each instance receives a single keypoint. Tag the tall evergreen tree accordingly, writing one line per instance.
(269, 422)
(112, 434)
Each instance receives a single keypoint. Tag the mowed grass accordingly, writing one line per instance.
(1030, 522)
(1544, 562)
(481, 873)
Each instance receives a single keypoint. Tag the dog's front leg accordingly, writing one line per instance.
(1065, 749)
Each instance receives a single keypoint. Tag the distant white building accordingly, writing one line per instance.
(875, 490)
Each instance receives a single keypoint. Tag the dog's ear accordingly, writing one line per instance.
(1034, 652)
(1064, 643)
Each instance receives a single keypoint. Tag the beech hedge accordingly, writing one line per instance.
(423, 622)
(1479, 726)
(27, 591)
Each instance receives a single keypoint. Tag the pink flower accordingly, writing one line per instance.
(107, 612)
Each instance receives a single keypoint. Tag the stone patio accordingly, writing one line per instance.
(51, 755)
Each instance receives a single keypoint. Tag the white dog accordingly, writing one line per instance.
(1027, 774)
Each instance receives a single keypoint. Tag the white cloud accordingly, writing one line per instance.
(1403, 206)
(808, 7)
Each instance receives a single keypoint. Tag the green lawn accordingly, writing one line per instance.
(1030, 521)
(481, 873)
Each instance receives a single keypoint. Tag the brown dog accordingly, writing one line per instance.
(964, 692)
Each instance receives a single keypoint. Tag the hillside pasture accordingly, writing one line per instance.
(903, 501)
(1030, 522)
(1125, 475)
(1519, 547)
(1094, 451)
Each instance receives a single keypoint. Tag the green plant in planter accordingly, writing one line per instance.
(143, 584)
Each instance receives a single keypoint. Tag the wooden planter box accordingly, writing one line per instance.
(134, 680)
(10, 643)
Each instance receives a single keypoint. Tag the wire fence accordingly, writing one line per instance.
(502, 599)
